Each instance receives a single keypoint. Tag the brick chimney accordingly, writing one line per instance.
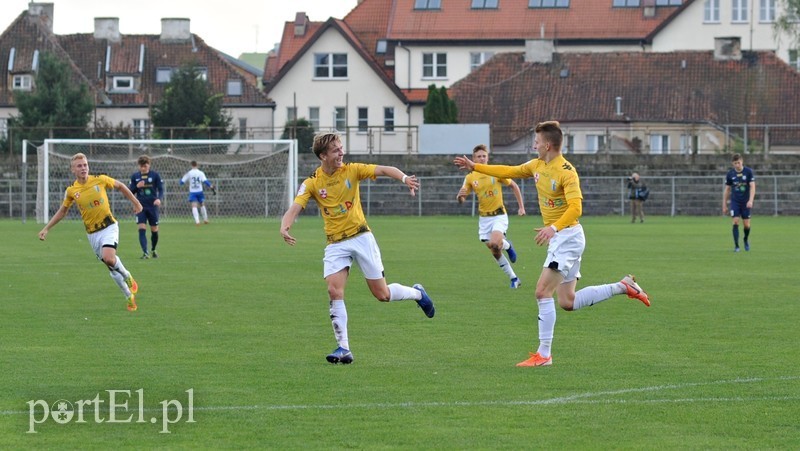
(300, 24)
(175, 30)
(107, 28)
(728, 48)
(43, 11)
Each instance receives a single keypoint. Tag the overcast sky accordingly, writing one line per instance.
(232, 26)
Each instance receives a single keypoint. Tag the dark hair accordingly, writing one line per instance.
(551, 132)
(193, 163)
(144, 159)
(322, 141)
(736, 157)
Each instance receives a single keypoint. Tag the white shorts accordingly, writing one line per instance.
(108, 237)
(489, 224)
(564, 252)
(362, 248)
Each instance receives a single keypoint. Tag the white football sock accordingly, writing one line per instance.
(205, 213)
(339, 323)
(506, 266)
(399, 292)
(547, 324)
(506, 244)
(196, 215)
(589, 296)
(120, 268)
(120, 281)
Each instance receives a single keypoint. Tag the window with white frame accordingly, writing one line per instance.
(568, 144)
(740, 11)
(711, 11)
(313, 117)
(484, 4)
(141, 128)
(625, 3)
(4, 128)
(388, 119)
(434, 65)
(234, 88)
(595, 143)
(330, 65)
(427, 4)
(686, 143)
(766, 10)
(794, 59)
(476, 59)
(163, 75)
(340, 118)
(291, 113)
(548, 3)
(669, 2)
(23, 82)
(659, 144)
(242, 128)
(122, 83)
(363, 119)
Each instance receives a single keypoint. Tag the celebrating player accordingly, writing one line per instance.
(334, 186)
(89, 192)
(740, 181)
(493, 222)
(560, 201)
(197, 179)
(146, 184)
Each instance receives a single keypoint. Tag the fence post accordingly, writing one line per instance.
(672, 213)
(775, 194)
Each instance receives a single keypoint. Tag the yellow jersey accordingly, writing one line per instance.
(489, 191)
(92, 200)
(338, 198)
(556, 183)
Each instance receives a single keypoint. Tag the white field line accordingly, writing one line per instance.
(581, 398)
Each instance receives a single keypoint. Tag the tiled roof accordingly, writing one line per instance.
(677, 87)
(514, 20)
(87, 56)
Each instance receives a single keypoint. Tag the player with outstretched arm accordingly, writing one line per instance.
(560, 201)
(334, 186)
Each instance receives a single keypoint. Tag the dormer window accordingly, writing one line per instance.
(122, 83)
(234, 88)
(548, 3)
(23, 82)
(163, 75)
(484, 4)
(427, 4)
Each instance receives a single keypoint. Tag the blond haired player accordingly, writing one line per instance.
(89, 193)
(493, 222)
(560, 201)
(334, 186)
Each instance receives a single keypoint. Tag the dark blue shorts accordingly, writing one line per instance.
(198, 197)
(740, 209)
(148, 214)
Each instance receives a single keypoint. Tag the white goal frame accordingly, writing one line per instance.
(47, 147)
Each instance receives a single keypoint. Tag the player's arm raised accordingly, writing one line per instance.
(390, 171)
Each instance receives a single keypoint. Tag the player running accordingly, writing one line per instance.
(102, 230)
(493, 222)
(560, 201)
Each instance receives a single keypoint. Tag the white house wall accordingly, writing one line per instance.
(754, 35)
(362, 88)
(458, 63)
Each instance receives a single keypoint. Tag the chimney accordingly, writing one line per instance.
(107, 28)
(300, 24)
(649, 8)
(539, 51)
(175, 30)
(44, 11)
(728, 48)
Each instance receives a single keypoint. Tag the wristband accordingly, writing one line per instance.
(404, 178)
(554, 228)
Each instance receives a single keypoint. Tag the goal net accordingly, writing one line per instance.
(254, 179)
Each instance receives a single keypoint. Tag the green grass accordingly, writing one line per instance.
(232, 313)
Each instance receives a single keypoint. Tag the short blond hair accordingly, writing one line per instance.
(322, 141)
(78, 156)
(551, 132)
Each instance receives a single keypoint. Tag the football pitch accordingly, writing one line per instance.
(227, 349)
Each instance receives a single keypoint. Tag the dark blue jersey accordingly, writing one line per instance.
(153, 187)
(740, 184)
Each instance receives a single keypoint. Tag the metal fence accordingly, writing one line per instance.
(669, 196)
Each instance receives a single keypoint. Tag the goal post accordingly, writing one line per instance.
(255, 179)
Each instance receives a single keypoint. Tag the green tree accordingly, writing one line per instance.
(189, 110)
(301, 130)
(439, 109)
(57, 102)
(787, 21)
(448, 106)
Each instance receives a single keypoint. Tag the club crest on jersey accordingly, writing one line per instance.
(536, 177)
(475, 183)
(347, 184)
(78, 195)
(97, 188)
(553, 184)
(323, 193)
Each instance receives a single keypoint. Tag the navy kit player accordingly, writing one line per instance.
(740, 190)
(146, 184)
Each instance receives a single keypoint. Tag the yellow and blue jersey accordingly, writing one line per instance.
(556, 182)
(489, 190)
(92, 200)
(338, 198)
